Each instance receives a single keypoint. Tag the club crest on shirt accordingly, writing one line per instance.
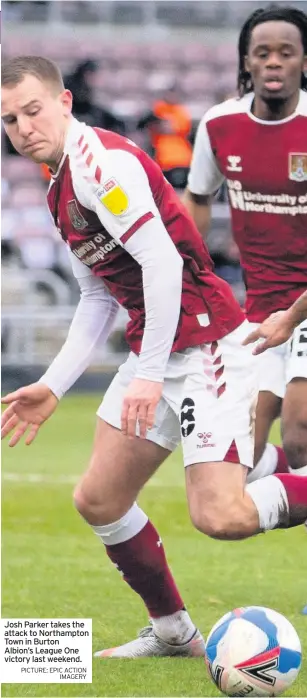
(113, 197)
(75, 216)
(298, 167)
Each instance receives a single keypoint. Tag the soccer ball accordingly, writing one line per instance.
(253, 651)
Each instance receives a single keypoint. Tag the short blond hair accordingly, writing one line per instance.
(14, 70)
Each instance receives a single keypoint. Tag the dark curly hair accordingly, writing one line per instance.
(268, 14)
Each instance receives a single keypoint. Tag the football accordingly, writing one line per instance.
(253, 651)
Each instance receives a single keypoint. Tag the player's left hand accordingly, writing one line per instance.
(139, 406)
(275, 330)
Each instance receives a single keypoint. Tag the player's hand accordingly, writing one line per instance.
(275, 330)
(28, 409)
(139, 406)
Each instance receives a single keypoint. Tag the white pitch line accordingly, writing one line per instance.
(39, 478)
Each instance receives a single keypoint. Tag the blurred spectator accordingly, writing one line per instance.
(169, 125)
(81, 83)
(45, 172)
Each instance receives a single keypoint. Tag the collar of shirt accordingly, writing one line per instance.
(75, 129)
(300, 109)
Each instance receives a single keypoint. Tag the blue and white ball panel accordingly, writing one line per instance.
(286, 635)
(253, 647)
(218, 631)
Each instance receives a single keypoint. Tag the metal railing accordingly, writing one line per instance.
(33, 335)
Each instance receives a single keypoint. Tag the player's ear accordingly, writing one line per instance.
(66, 101)
(246, 64)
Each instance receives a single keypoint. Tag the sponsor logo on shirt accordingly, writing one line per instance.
(95, 250)
(75, 216)
(113, 197)
(298, 167)
(258, 202)
(234, 163)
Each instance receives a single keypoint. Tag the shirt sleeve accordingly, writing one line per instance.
(89, 330)
(205, 178)
(115, 185)
(162, 266)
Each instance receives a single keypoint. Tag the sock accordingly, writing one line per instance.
(135, 548)
(125, 528)
(176, 629)
(296, 489)
(281, 500)
(282, 461)
(273, 460)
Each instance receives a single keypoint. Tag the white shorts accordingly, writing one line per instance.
(208, 403)
(278, 366)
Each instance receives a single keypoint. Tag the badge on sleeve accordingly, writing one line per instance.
(113, 197)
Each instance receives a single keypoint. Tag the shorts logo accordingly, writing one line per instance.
(187, 417)
(205, 438)
(75, 216)
(113, 197)
(298, 167)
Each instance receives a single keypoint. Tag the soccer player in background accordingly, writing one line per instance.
(258, 144)
(132, 243)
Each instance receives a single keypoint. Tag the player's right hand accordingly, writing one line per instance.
(275, 330)
(28, 409)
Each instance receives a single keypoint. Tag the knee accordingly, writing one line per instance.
(82, 502)
(214, 527)
(219, 523)
(86, 503)
(95, 508)
(295, 445)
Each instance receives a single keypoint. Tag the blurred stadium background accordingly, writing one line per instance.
(119, 58)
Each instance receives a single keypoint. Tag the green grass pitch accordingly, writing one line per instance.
(53, 566)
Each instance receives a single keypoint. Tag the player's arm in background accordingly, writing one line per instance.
(278, 328)
(204, 180)
(298, 311)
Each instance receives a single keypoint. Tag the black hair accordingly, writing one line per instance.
(268, 14)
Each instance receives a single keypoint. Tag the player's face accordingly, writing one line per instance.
(35, 119)
(276, 60)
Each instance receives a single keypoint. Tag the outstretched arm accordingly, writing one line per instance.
(29, 407)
